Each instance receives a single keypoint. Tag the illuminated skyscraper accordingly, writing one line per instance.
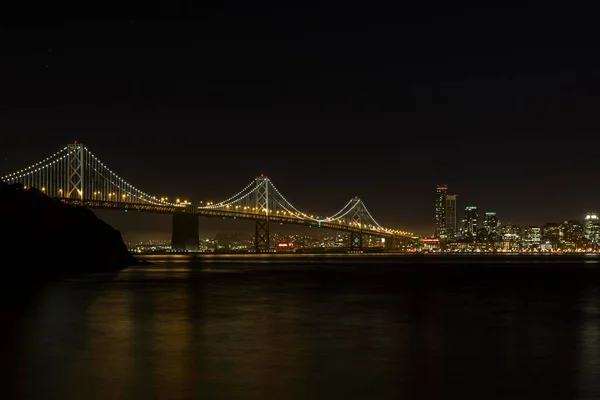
(470, 222)
(532, 237)
(551, 233)
(440, 211)
(451, 215)
(491, 227)
(571, 231)
(490, 223)
(592, 224)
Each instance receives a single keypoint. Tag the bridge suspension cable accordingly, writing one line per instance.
(244, 193)
(286, 205)
(247, 201)
(103, 184)
(74, 172)
(45, 174)
(343, 211)
(372, 221)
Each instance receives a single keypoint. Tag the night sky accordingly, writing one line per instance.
(339, 100)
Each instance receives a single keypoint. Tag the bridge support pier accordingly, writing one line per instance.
(262, 239)
(356, 242)
(390, 243)
(185, 235)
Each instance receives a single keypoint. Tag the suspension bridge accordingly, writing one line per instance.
(74, 175)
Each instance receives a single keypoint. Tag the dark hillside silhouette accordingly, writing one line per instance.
(47, 238)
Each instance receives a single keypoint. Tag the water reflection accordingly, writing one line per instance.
(108, 360)
(412, 334)
(589, 343)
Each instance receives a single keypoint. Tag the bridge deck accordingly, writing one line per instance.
(216, 213)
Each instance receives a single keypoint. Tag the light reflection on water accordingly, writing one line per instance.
(169, 331)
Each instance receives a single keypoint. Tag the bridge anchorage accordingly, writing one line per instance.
(76, 176)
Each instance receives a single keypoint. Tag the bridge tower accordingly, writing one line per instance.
(74, 188)
(262, 240)
(357, 218)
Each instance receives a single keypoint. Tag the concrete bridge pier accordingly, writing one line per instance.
(390, 243)
(184, 235)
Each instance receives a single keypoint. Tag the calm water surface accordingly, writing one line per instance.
(177, 330)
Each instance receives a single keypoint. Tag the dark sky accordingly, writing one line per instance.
(333, 101)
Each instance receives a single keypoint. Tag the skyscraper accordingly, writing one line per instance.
(490, 223)
(491, 227)
(592, 222)
(571, 231)
(451, 215)
(470, 222)
(532, 237)
(440, 211)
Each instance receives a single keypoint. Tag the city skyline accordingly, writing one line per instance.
(446, 224)
(483, 231)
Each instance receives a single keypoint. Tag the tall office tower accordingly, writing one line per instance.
(440, 211)
(451, 216)
(491, 227)
(551, 233)
(532, 237)
(470, 222)
(571, 231)
(490, 223)
(591, 224)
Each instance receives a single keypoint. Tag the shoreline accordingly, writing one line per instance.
(366, 257)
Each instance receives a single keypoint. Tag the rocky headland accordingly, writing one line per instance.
(45, 238)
